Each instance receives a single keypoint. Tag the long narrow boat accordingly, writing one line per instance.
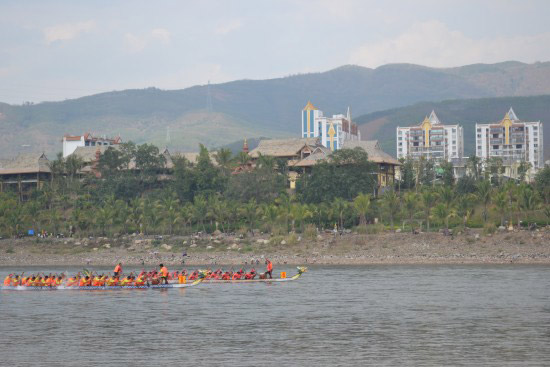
(102, 288)
(301, 270)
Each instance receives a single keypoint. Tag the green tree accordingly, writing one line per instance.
(362, 205)
(429, 198)
(410, 206)
(390, 205)
(347, 173)
(484, 196)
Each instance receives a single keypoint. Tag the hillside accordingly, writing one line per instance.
(219, 114)
(382, 125)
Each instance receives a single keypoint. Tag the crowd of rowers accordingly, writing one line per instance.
(153, 277)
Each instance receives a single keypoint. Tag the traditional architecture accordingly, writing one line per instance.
(512, 140)
(430, 139)
(292, 150)
(24, 173)
(331, 131)
(70, 143)
(387, 165)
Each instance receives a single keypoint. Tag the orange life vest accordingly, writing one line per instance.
(269, 266)
(118, 269)
(164, 271)
(7, 281)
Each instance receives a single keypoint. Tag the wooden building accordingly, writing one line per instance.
(24, 173)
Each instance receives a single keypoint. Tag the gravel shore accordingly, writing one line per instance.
(504, 247)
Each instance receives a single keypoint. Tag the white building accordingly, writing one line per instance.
(432, 140)
(512, 140)
(333, 131)
(70, 143)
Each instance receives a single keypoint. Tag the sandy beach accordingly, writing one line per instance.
(504, 247)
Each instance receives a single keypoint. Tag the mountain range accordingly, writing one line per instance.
(219, 114)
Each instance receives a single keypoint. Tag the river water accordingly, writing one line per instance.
(358, 315)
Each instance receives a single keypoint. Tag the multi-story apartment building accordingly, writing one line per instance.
(512, 140)
(432, 140)
(332, 131)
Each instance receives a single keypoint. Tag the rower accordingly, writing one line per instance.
(126, 281)
(118, 269)
(7, 280)
(163, 274)
(15, 281)
(226, 276)
(85, 282)
(251, 275)
(140, 280)
(269, 268)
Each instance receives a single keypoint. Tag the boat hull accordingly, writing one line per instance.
(102, 288)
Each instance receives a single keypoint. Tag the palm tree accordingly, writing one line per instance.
(446, 195)
(410, 204)
(200, 209)
(249, 211)
(362, 204)
(501, 202)
(474, 164)
(484, 196)
(104, 218)
(285, 204)
(269, 214)
(390, 203)
(443, 212)
(339, 206)
(224, 158)
(299, 213)
(266, 162)
(429, 199)
(465, 207)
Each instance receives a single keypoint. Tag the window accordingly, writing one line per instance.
(535, 128)
(535, 145)
(400, 138)
(478, 130)
(454, 130)
(479, 147)
(454, 141)
(479, 135)
(495, 135)
(495, 147)
(415, 144)
(518, 146)
(400, 144)
(400, 149)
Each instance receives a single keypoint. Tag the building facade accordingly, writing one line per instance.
(70, 143)
(332, 131)
(512, 140)
(432, 140)
(24, 173)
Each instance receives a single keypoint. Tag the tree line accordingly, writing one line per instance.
(136, 192)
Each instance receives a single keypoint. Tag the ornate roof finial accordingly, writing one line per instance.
(245, 146)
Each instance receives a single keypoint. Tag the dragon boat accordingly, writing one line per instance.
(101, 288)
(301, 270)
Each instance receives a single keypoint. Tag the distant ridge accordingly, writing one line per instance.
(255, 108)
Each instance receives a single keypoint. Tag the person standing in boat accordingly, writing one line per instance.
(118, 270)
(269, 268)
(163, 274)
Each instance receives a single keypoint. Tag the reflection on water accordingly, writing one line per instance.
(372, 315)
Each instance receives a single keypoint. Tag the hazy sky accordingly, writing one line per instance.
(52, 50)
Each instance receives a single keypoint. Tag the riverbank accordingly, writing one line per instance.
(521, 247)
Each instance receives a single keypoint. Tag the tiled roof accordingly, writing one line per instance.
(25, 163)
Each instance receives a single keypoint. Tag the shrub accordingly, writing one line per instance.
(310, 232)
(375, 228)
(489, 228)
(361, 229)
(10, 250)
(291, 239)
(279, 231)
